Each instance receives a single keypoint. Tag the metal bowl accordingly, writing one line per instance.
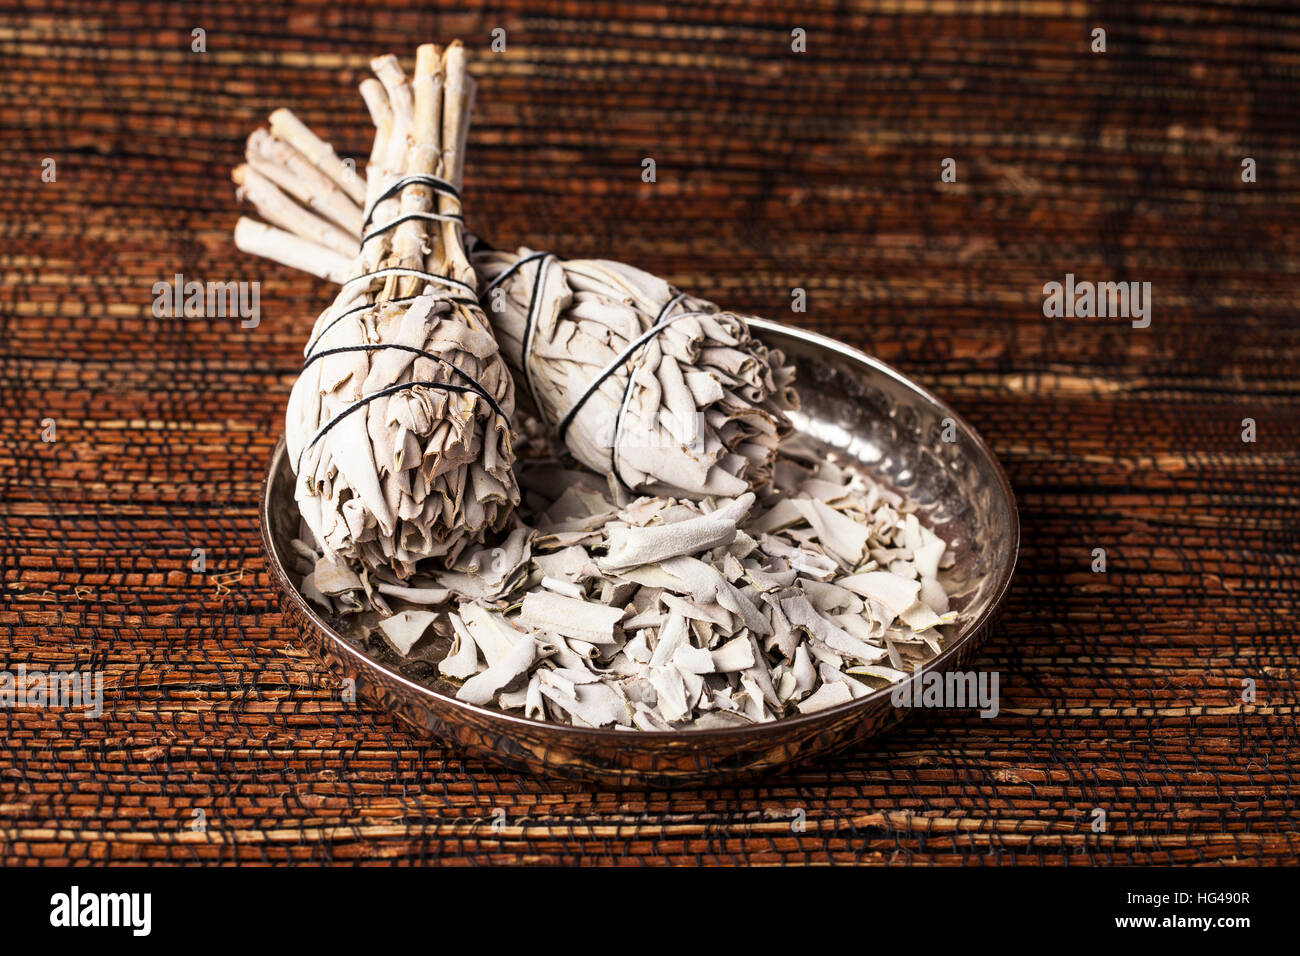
(863, 413)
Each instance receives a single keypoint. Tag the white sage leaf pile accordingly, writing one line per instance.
(398, 427)
(659, 613)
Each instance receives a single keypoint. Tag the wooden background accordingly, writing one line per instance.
(1121, 691)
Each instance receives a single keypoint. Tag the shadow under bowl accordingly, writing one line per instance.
(865, 415)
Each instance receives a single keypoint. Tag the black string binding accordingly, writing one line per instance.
(474, 384)
(519, 264)
(414, 179)
(414, 273)
(530, 328)
(526, 344)
(660, 323)
(352, 311)
(366, 400)
(407, 217)
(394, 270)
(401, 299)
(446, 188)
(658, 326)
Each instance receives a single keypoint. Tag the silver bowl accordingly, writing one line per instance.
(863, 413)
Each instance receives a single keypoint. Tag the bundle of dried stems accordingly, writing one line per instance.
(399, 424)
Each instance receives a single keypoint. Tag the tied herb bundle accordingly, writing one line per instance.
(664, 391)
(398, 427)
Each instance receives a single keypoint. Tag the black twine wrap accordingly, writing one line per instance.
(401, 299)
(435, 183)
(473, 386)
(660, 323)
(414, 273)
(526, 346)
(530, 321)
(367, 399)
(407, 217)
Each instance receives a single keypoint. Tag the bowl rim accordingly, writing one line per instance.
(819, 717)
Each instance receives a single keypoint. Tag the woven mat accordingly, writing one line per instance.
(1120, 691)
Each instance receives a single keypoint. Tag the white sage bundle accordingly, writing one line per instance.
(665, 392)
(398, 428)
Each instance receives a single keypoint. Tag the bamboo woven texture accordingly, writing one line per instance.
(776, 170)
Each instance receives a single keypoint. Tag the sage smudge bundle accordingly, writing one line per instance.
(661, 613)
(666, 392)
(398, 427)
